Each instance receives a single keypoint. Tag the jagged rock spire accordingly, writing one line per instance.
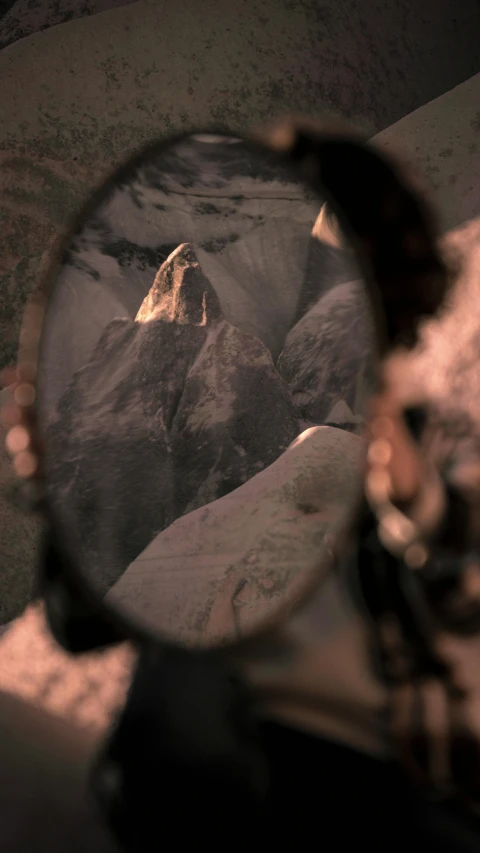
(181, 292)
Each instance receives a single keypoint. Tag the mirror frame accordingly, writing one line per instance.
(392, 232)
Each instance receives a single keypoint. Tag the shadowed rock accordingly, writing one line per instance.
(327, 356)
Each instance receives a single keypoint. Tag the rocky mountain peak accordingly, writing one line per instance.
(181, 292)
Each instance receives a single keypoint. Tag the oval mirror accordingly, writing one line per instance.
(206, 358)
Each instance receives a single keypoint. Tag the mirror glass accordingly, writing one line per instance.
(206, 360)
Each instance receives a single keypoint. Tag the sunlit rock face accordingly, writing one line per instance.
(172, 411)
(181, 293)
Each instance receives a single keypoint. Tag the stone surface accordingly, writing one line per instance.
(223, 570)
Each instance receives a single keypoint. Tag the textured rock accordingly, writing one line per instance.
(171, 412)
(328, 355)
(227, 567)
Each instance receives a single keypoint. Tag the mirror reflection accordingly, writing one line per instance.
(206, 361)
